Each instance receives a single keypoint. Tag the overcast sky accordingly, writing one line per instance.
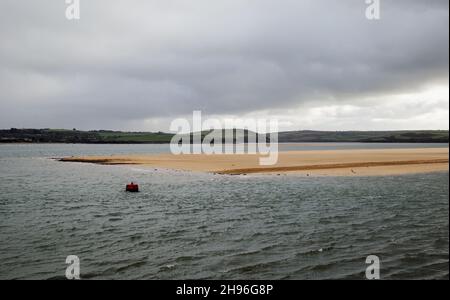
(312, 64)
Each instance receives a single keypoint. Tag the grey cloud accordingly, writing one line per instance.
(128, 61)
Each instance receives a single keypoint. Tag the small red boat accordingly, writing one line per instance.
(132, 187)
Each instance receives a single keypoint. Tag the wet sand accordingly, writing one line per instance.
(375, 162)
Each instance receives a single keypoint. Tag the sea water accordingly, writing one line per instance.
(187, 225)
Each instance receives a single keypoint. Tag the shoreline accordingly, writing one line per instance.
(358, 162)
(351, 166)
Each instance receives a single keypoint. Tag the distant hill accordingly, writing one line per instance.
(75, 136)
(421, 136)
(117, 137)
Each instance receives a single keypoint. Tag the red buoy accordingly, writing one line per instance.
(132, 187)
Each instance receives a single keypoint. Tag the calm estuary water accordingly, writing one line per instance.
(202, 226)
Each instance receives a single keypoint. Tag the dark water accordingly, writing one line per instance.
(200, 226)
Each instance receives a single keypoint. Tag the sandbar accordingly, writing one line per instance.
(357, 162)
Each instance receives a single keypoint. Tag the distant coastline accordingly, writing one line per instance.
(65, 136)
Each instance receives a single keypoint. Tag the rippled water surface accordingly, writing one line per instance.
(202, 226)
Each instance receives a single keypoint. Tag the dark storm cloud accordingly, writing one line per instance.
(128, 61)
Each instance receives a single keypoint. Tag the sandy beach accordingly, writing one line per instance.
(309, 163)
